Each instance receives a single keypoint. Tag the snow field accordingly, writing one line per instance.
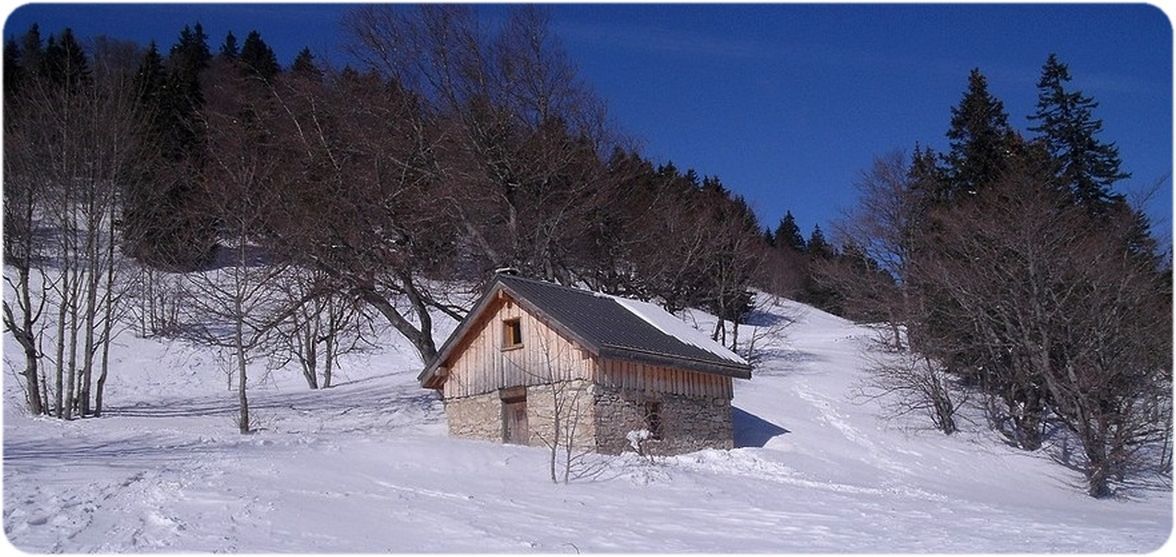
(366, 467)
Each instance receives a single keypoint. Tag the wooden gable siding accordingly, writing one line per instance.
(647, 378)
(480, 365)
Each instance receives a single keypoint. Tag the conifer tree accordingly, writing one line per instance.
(161, 227)
(818, 247)
(31, 50)
(1065, 122)
(142, 211)
(258, 57)
(64, 61)
(14, 72)
(928, 180)
(31, 47)
(304, 65)
(980, 139)
(187, 59)
(229, 49)
(788, 234)
(183, 97)
(769, 238)
(190, 55)
(151, 77)
(815, 293)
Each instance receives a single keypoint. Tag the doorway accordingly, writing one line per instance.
(514, 421)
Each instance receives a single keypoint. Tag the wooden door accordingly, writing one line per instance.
(514, 422)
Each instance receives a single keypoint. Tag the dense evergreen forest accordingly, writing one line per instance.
(221, 196)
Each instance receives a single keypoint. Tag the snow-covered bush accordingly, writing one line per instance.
(638, 439)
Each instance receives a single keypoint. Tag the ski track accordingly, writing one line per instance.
(366, 467)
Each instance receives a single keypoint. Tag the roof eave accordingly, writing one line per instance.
(738, 371)
(426, 375)
(428, 378)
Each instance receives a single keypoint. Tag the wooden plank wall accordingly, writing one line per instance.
(480, 365)
(646, 378)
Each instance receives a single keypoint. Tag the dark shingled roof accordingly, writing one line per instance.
(606, 327)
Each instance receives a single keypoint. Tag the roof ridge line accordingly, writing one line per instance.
(733, 364)
(553, 285)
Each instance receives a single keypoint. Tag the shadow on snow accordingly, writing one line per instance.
(752, 430)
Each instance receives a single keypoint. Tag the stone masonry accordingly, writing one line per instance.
(475, 417)
(604, 416)
(480, 416)
(688, 423)
(576, 407)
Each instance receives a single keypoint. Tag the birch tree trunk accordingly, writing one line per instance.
(108, 317)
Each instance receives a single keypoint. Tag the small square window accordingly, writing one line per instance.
(512, 333)
(653, 420)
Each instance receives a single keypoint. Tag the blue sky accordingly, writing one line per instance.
(786, 103)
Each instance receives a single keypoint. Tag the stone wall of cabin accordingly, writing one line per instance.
(689, 423)
(475, 417)
(603, 416)
(480, 416)
(577, 409)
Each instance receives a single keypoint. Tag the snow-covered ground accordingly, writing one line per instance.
(366, 467)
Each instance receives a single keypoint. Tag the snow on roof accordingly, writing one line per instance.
(667, 323)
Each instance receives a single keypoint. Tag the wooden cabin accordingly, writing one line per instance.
(534, 359)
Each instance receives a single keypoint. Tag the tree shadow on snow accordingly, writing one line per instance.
(762, 318)
(752, 430)
(784, 362)
(136, 450)
(225, 257)
(1136, 483)
(355, 395)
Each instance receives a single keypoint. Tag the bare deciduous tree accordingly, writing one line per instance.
(322, 328)
(909, 382)
(71, 139)
(521, 135)
(237, 305)
(1059, 305)
(566, 415)
(875, 277)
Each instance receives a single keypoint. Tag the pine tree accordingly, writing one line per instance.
(1065, 122)
(14, 72)
(64, 61)
(142, 210)
(815, 292)
(163, 228)
(928, 180)
(258, 57)
(182, 95)
(190, 55)
(152, 85)
(32, 50)
(788, 234)
(229, 49)
(980, 137)
(818, 247)
(150, 78)
(1138, 239)
(304, 65)
(187, 59)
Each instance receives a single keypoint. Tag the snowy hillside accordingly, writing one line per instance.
(366, 467)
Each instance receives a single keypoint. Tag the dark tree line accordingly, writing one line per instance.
(1011, 267)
